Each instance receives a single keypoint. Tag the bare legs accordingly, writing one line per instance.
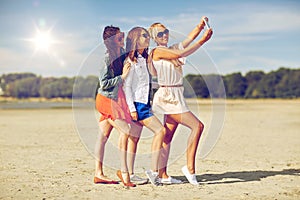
(159, 132)
(129, 143)
(123, 129)
(135, 133)
(105, 128)
(127, 147)
(104, 132)
(189, 120)
(170, 126)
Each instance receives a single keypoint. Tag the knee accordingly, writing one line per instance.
(124, 136)
(201, 127)
(163, 132)
(168, 137)
(133, 139)
(103, 138)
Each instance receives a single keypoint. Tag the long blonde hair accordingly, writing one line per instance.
(153, 30)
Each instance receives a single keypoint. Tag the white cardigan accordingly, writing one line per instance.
(137, 83)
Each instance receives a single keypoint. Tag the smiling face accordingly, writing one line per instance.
(119, 39)
(143, 41)
(137, 41)
(162, 36)
(113, 39)
(159, 33)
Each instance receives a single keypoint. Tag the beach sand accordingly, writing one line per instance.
(256, 157)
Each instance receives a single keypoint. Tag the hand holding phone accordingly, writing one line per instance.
(206, 23)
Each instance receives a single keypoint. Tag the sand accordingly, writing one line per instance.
(256, 157)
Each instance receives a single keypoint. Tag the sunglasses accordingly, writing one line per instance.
(161, 34)
(145, 35)
(121, 36)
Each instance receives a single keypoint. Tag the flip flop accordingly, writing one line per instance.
(129, 184)
(102, 181)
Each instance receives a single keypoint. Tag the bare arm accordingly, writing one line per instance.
(127, 86)
(194, 33)
(151, 68)
(169, 54)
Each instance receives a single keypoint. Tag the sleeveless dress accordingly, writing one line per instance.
(169, 97)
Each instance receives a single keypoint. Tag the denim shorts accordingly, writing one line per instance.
(143, 110)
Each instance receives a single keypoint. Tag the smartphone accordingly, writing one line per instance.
(206, 24)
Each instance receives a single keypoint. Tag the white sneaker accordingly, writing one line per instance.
(138, 180)
(170, 180)
(153, 177)
(190, 177)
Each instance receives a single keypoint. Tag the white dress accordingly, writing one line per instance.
(169, 97)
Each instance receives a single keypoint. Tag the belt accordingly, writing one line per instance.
(171, 85)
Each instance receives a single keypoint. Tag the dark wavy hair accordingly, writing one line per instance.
(116, 61)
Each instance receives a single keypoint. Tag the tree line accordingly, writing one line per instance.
(282, 83)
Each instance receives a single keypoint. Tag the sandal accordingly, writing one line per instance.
(103, 181)
(129, 184)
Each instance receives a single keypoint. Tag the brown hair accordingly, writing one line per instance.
(116, 61)
(131, 43)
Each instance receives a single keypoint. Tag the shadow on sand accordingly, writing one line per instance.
(243, 176)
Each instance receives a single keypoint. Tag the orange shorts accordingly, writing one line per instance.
(111, 109)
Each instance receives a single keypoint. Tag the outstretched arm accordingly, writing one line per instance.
(194, 33)
(169, 54)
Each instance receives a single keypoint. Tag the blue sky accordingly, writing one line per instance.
(248, 35)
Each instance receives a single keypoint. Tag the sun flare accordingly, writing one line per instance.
(43, 41)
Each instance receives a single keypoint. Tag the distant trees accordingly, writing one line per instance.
(196, 87)
(85, 87)
(253, 79)
(235, 85)
(283, 83)
(56, 87)
(29, 85)
(21, 85)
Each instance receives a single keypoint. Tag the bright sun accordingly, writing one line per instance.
(42, 41)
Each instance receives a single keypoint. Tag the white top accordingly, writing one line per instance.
(170, 99)
(167, 73)
(137, 83)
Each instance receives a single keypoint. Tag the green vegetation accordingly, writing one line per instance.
(282, 83)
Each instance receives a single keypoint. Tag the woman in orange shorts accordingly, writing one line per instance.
(111, 103)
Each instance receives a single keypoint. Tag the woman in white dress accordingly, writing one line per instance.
(167, 65)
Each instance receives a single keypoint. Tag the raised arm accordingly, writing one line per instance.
(169, 54)
(194, 33)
